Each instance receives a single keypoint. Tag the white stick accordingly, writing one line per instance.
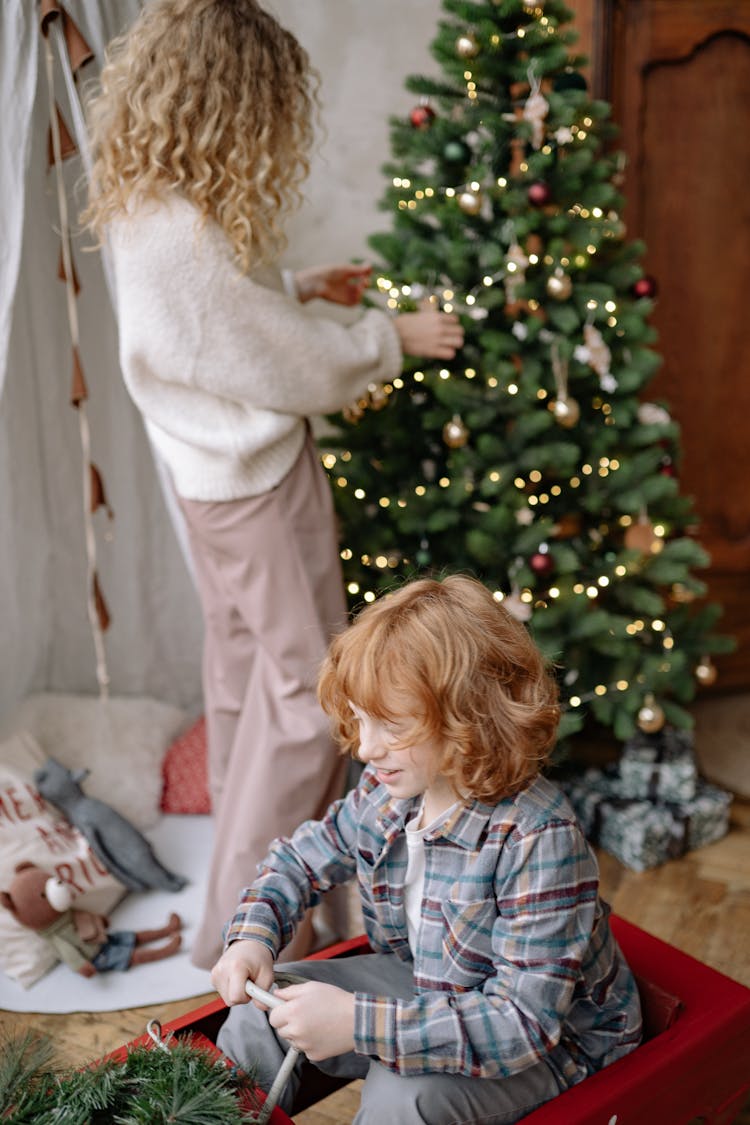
(287, 1065)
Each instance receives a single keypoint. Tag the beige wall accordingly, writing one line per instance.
(364, 49)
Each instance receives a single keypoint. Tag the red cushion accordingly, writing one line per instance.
(185, 773)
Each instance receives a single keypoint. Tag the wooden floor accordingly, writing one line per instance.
(700, 903)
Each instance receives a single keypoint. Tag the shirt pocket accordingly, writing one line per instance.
(467, 941)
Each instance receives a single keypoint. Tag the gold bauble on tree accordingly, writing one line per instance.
(566, 411)
(467, 46)
(470, 201)
(559, 285)
(706, 672)
(651, 718)
(455, 432)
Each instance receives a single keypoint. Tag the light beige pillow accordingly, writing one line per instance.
(122, 741)
(32, 830)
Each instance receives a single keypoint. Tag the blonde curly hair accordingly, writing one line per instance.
(212, 99)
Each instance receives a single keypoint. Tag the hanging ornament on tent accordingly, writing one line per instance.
(455, 432)
(565, 409)
(706, 672)
(651, 717)
(559, 286)
(423, 115)
(535, 110)
(515, 265)
(467, 46)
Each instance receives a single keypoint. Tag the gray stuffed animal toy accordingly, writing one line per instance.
(113, 839)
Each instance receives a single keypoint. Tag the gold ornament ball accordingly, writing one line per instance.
(467, 46)
(706, 672)
(559, 286)
(566, 412)
(650, 717)
(455, 433)
(470, 202)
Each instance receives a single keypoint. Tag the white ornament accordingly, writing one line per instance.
(535, 110)
(519, 330)
(600, 356)
(516, 608)
(608, 383)
(564, 135)
(649, 414)
(517, 275)
(524, 516)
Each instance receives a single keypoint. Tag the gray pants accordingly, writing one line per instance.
(425, 1099)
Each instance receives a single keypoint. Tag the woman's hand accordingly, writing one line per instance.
(344, 285)
(315, 1018)
(434, 335)
(244, 960)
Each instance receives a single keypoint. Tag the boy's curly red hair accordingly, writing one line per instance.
(468, 674)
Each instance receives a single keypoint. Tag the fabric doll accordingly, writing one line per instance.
(81, 939)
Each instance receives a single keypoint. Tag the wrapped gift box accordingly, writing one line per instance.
(643, 833)
(659, 767)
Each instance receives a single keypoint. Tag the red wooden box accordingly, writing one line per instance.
(694, 1061)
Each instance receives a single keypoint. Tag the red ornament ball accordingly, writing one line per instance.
(422, 116)
(541, 563)
(645, 287)
(539, 194)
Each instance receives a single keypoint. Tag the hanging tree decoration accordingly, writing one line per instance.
(597, 355)
(651, 717)
(455, 432)
(516, 263)
(565, 409)
(535, 110)
(92, 486)
(467, 45)
(559, 285)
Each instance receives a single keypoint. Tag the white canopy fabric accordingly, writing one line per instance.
(153, 644)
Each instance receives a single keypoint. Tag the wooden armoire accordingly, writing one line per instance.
(677, 73)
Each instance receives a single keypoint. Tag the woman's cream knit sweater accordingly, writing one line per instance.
(225, 368)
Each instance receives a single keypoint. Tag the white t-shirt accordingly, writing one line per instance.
(415, 868)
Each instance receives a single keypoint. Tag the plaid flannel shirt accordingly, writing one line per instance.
(515, 960)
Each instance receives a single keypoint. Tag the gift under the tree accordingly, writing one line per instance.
(643, 833)
(659, 767)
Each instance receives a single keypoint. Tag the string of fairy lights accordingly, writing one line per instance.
(647, 539)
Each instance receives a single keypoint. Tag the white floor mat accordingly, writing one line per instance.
(183, 844)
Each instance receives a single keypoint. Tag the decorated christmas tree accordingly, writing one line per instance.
(535, 459)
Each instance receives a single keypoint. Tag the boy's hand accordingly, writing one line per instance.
(344, 285)
(316, 1018)
(243, 961)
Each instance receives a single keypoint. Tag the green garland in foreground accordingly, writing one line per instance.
(185, 1085)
